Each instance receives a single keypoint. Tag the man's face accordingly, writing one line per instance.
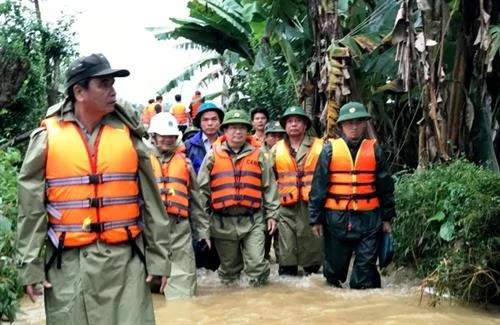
(272, 138)
(259, 121)
(209, 123)
(99, 98)
(295, 126)
(354, 129)
(236, 135)
(165, 142)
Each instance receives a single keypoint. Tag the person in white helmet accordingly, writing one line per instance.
(179, 190)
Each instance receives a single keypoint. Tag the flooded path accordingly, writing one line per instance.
(303, 300)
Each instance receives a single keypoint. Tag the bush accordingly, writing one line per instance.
(9, 279)
(448, 226)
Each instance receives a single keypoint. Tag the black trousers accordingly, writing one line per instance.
(347, 233)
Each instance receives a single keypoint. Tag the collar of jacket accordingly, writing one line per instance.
(246, 148)
(197, 139)
(306, 141)
(122, 113)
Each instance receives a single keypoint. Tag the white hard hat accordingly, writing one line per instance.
(163, 123)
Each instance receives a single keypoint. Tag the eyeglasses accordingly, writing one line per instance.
(237, 127)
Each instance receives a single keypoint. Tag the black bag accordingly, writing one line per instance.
(386, 250)
(207, 258)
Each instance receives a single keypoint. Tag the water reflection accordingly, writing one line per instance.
(305, 300)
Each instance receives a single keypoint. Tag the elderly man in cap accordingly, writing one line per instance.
(294, 160)
(239, 192)
(352, 201)
(87, 193)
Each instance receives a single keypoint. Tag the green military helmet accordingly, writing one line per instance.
(189, 131)
(274, 127)
(236, 116)
(297, 111)
(206, 107)
(352, 111)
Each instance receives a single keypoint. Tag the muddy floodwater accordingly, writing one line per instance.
(302, 300)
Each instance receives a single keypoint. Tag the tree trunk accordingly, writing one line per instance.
(328, 91)
(13, 72)
(38, 12)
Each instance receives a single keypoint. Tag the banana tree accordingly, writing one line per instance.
(222, 27)
(446, 52)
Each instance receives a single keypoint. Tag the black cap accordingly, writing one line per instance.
(94, 65)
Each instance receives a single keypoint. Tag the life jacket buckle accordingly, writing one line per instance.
(97, 227)
(95, 178)
(95, 202)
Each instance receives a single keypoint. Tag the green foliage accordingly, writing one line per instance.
(45, 48)
(215, 24)
(265, 88)
(448, 226)
(9, 279)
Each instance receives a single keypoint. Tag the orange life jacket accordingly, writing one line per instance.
(258, 141)
(179, 111)
(237, 184)
(148, 112)
(173, 181)
(90, 196)
(352, 184)
(294, 183)
(195, 104)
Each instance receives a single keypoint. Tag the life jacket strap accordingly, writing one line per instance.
(95, 202)
(353, 197)
(170, 179)
(97, 227)
(57, 253)
(91, 179)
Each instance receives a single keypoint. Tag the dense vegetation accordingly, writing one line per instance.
(31, 57)
(448, 227)
(32, 54)
(427, 70)
(9, 280)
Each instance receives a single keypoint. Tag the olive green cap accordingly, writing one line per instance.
(274, 127)
(352, 111)
(190, 130)
(236, 116)
(297, 111)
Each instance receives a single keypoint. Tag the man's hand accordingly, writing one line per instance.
(271, 226)
(32, 293)
(386, 226)
(163, 282)
(207, 242)
(317, 230)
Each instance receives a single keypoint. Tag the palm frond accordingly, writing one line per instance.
(189, 72)
(190, 45)
(494, 48)
(210, 77)
(231, 11)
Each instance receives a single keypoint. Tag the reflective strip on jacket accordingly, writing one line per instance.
(235, 185)
(295, 182)
(179, 111)
(173, 182)
(352, 184)
(90, 197)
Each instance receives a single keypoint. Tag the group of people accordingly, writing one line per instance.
(182, 113)
(115, 214)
